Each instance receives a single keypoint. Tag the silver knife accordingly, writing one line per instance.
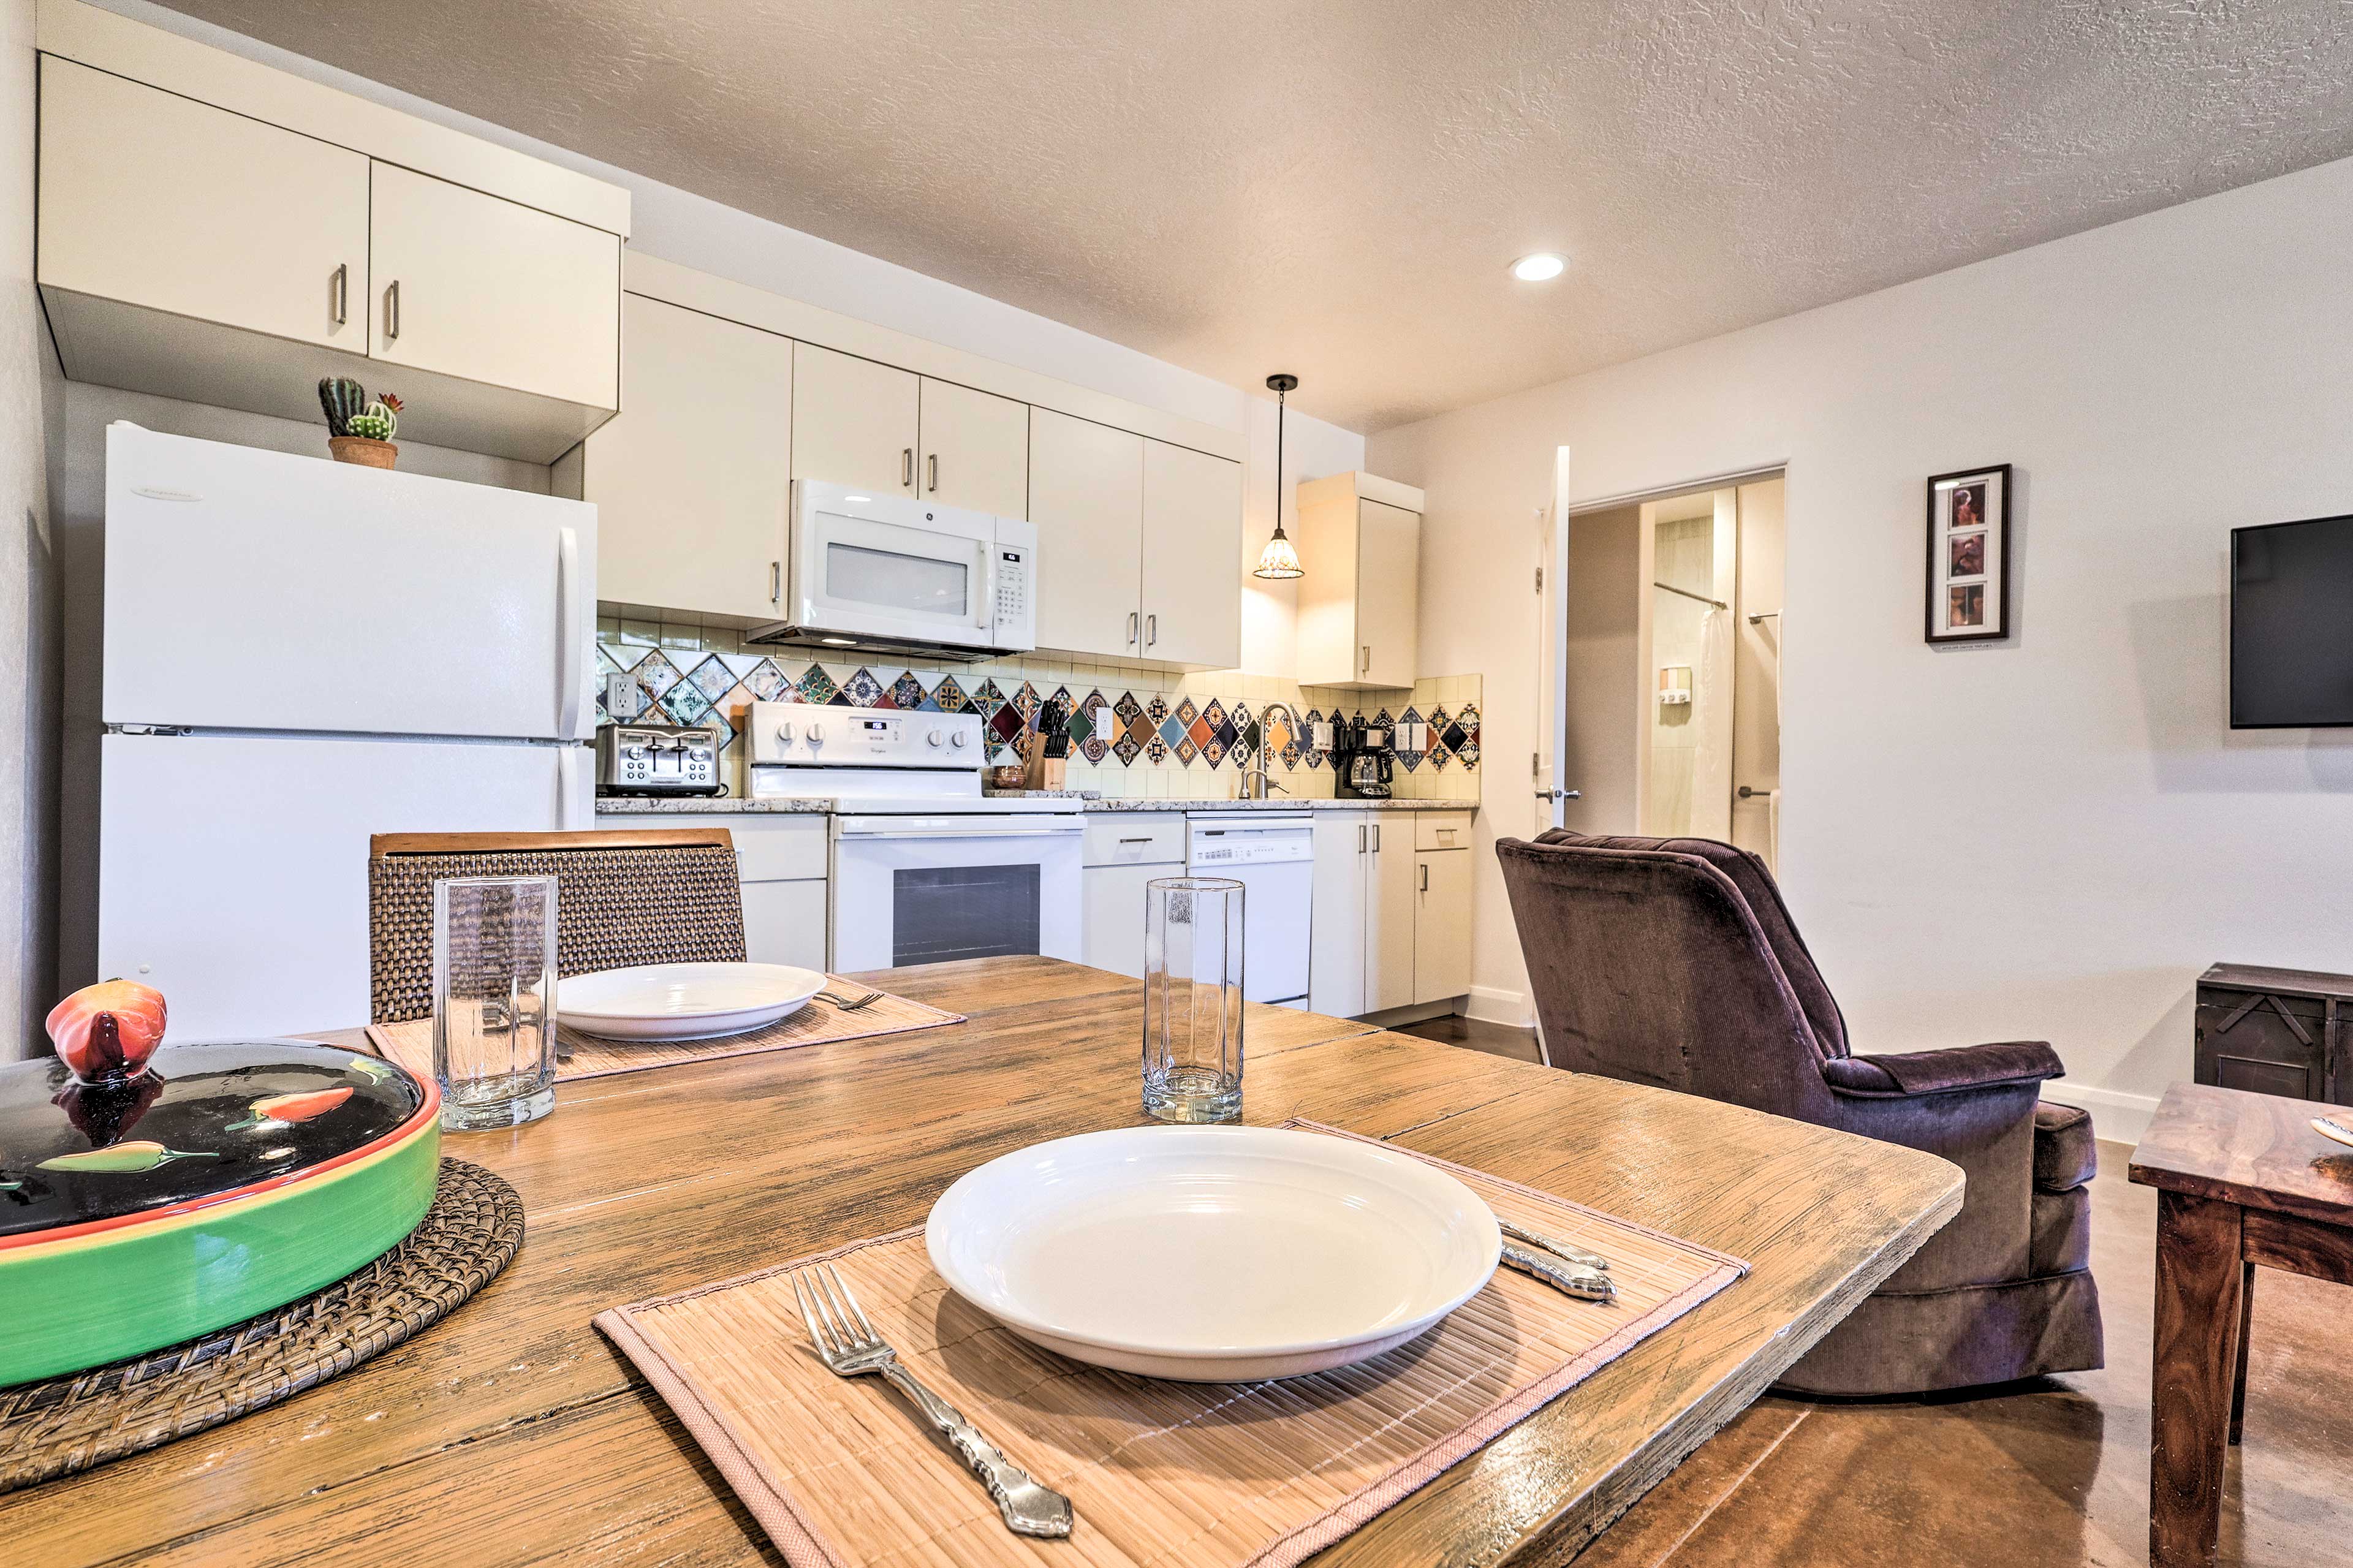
(1584, 1284)
(1576, 1255)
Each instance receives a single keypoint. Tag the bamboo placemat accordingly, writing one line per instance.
(820, 1022)
(1174, 1475)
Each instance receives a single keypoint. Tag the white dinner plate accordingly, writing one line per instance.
(1213, 1254)
(683, 1001)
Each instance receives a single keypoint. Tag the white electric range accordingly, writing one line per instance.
(924, 867)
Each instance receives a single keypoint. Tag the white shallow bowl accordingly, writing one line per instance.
(683, 1001)
(1213, 1254)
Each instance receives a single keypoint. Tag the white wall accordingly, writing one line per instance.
(2049, 836)
(28, 714)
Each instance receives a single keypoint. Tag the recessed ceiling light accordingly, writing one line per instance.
(1535, 268)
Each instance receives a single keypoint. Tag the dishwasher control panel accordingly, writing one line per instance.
(1248, 839)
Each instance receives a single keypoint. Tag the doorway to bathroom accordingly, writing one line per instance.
(1671, 662)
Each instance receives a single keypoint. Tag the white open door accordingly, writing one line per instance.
(1552, 790)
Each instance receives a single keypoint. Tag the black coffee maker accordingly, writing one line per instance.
(1364, 767)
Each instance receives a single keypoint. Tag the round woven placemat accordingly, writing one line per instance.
(69, 1424)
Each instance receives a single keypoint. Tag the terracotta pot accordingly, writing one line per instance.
(361, 450)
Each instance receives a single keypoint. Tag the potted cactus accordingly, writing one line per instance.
(359, 431)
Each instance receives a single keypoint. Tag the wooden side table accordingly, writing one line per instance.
(2242, 1180)
(2276, 1031)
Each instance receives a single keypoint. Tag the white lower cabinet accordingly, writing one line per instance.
(1125, 852)
(1442, 924)
(1392, 922)
(1335, 958)
(1388, 912)
(784, 923)
(781, 860)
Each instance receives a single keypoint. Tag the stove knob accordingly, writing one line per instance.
(785, 734)
(959, 738)
(933, 738)
(816, 733)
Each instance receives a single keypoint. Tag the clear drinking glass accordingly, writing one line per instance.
(494, 1000)
(1193, 999)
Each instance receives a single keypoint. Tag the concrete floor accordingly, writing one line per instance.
(2049, 1474)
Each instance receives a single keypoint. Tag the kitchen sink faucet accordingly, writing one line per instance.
(1257, 771)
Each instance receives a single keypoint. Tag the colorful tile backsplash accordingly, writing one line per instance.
(1136, 729)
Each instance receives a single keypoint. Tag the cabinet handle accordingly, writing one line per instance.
(1131, 625)
(775, 581)
(1425, 878)
(1367, 667)
(931, 473)
(907, 467)
(1144, 840)
(1360, 839)
(1151, 630)
(343, 293)
(1377, 838)
(392, 310)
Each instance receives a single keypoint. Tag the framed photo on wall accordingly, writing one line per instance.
(1969, 556)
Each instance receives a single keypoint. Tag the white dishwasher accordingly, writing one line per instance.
(1273, 855)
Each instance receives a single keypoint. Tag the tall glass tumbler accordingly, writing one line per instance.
(1193, 999)
(494, 1000)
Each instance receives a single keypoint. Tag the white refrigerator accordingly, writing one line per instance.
(300, 654)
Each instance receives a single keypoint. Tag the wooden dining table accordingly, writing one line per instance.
(510, 1433)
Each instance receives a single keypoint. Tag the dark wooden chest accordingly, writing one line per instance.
(2276, 1031)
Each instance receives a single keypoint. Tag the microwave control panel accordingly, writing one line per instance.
(1014, 562)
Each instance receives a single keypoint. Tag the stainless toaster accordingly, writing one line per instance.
(658, 759)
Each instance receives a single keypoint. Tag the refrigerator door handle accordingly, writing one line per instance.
(567, 632)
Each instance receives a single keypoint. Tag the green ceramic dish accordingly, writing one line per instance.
(233, 1179)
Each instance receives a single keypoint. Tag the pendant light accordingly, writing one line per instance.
(1279, 559)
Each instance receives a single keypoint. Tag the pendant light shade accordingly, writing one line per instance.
(1279, 559)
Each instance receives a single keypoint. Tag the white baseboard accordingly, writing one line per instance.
(2116, 1116)
(1491, 1005)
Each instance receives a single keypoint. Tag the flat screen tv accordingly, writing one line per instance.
(2292, 625)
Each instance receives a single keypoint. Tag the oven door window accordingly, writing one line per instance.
(943, 912)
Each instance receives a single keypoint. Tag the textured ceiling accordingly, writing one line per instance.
(1334, 187)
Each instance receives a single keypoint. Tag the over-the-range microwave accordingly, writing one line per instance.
(868, 572)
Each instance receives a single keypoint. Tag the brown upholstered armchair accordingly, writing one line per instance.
(1674, 962)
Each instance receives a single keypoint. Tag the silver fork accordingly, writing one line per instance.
(849, 1003)
(1575, 1255)
(849, 1346)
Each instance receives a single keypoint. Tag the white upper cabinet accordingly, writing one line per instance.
(1139, 544)
(218, 231)
(1192, 595)
(1359, 538)
(159, 201)
(1086, 498)
(854, 422)
(1388, 593)
(690, 484)
(490, 290)
(976, 449)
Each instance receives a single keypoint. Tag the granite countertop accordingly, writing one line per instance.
(703, 805)
(1279, 802)
(696, 806)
